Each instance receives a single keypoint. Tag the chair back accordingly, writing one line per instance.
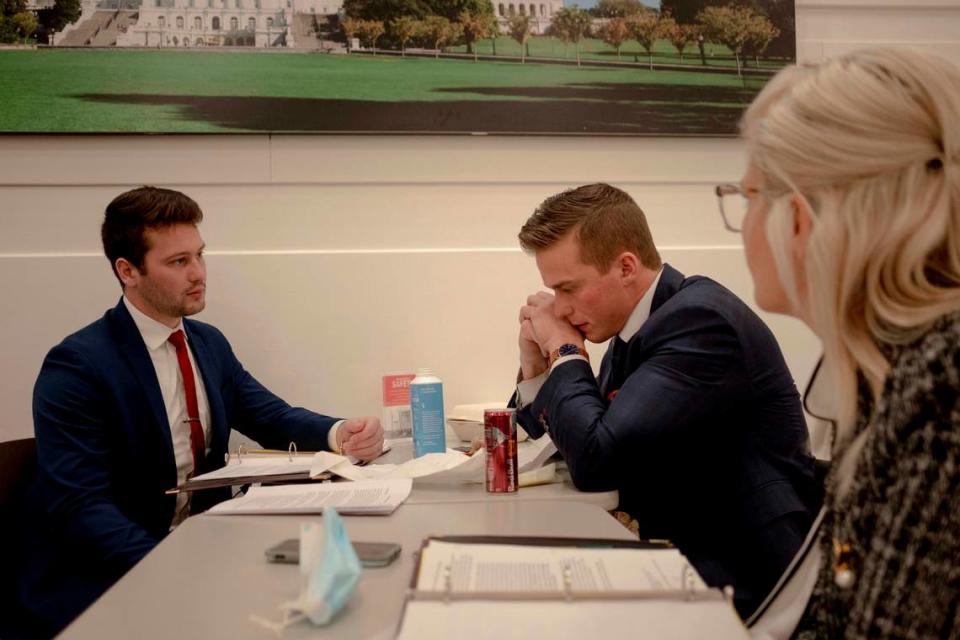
(18, 468)
(18, 465)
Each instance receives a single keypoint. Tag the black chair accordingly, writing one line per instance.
(18, 468)
(18, 465)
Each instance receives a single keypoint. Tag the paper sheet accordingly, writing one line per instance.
(452, 467)
(259, 466)
(502, 620)
(372, 497)
(528, 579)
(496, 567)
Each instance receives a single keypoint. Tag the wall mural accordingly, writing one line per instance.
(606, 67)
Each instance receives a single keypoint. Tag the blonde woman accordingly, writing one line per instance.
(851, 222)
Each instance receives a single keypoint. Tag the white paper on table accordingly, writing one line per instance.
(265, 465)
(269, 464)
(654, 618)
(432, 465)
(451, 467)
(518, 568)
(534, 453)
(535, 573)
(370, 497)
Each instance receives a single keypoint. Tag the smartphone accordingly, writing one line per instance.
(371, 554)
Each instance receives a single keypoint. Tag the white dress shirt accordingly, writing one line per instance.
(163, 355)
(527, 390)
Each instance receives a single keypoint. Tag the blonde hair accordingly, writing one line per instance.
(871, 141)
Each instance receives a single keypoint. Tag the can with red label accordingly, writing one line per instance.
(500, 437)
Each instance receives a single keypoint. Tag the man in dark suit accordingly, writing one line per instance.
(137, 402)
(694, 419)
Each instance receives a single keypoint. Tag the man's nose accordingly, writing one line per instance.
(198, 271)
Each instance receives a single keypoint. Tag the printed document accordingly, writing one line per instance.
(497, 591)
(260, 466)
(521, 568)
(451, 467)
(370, 497)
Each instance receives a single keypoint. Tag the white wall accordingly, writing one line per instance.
(333, 260)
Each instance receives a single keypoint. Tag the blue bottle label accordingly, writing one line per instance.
(426, 405)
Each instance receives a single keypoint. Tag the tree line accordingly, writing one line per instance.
(18, 24)
(742, 29)
(739, 25)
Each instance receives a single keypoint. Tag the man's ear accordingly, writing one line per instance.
(628, 267)
(129, 274)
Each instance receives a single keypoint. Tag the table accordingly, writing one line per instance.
(210, 574)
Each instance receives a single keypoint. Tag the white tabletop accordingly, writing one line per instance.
(207, 577)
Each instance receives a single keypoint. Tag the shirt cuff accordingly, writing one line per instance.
(332, 437)
(569, 358)
(527, 390)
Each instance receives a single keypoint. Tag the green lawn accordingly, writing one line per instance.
(631, 51)
(207, 91)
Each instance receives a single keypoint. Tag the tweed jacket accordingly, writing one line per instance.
(900, 519)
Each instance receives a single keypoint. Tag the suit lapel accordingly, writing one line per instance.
(613, 367)
(606, 369)
(135, 351)
(671, 281)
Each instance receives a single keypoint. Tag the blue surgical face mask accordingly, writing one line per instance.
(329, 573)
(329, 568)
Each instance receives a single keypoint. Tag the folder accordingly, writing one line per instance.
(561, 587)
(257, 466)
(366, 497)
(260, 466)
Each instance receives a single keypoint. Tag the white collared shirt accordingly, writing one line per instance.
(163, 355)
(527, 390)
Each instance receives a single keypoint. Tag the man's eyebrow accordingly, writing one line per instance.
(180, 254)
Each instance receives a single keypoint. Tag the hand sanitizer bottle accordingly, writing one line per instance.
(426, 406)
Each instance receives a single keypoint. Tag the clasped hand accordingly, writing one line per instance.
(542, 331)
(361, 438)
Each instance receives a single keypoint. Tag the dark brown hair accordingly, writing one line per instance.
(606, 220)
(133, 212)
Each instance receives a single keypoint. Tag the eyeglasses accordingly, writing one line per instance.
(733, 203)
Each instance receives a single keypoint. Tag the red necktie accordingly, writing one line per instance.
(197, 444)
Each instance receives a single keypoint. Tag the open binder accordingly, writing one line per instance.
(521, 587)
(250, 467)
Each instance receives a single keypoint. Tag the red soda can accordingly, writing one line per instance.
(500, 437)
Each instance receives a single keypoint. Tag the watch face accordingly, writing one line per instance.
(568, 350)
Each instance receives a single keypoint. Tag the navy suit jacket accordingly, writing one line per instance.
(105, 455)
(705, 438)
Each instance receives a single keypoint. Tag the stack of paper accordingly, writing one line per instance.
(466, 420)
(371, 497)
(452, 467)
(527, 591)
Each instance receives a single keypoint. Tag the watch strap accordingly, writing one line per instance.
(566, 350)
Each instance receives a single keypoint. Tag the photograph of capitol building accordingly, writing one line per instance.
(298, 24)
(510, 67)
(218, 23)
(203, 23)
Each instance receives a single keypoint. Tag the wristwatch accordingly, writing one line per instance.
(566, 350)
